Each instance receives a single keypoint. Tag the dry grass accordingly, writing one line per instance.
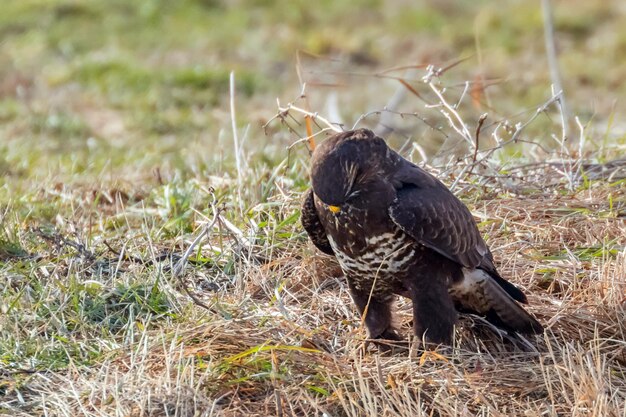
(119, 155)
(98, 320)
(282, 338)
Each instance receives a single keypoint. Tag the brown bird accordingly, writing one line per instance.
(396, 229)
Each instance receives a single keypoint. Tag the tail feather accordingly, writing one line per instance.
(488, 266)
(510, 289)
(508, 311)
(483, 294)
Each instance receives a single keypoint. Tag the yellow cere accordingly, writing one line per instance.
(334, 209)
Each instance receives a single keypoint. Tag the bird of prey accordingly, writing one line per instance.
(397, 230)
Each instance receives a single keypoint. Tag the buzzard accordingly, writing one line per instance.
(397, 230)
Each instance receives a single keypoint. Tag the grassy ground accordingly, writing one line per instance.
(116, 150)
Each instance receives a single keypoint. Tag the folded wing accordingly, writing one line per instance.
(428, 212)
(313, 226)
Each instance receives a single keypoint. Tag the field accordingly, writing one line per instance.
(152, 261)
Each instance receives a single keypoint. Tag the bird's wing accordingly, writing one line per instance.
(428, 212)
(313, 226)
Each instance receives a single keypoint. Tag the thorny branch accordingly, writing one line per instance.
(450, 112)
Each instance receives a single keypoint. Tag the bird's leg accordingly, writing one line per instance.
(434, 314)
(378, 317)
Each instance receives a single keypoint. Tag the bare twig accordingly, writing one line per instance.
(307, 139)
(61, 241)
(180, 265)
(465, 90)
(314, 116)
(182, 262)
(401, 115)
(307, 119)
(553, 62)
(454, 119)
(486, 154)
(238, 157)
(519, 128)
(479, 126)
(384, 126)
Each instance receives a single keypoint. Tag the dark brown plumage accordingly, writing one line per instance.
(396, 229)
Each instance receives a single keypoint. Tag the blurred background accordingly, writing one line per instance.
(118, 88)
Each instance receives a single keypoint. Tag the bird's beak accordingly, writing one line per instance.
(334, 209)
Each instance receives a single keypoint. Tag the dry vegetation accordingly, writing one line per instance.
(281, 337)
(117, 155)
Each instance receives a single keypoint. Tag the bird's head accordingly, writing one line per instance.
(352, 169)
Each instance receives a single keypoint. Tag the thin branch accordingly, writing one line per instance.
(453, 117)
(182, 262)
(553, 62)
(479, 126)
(314, 116)
(236, 139)
(449, 112)
(402, 115)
